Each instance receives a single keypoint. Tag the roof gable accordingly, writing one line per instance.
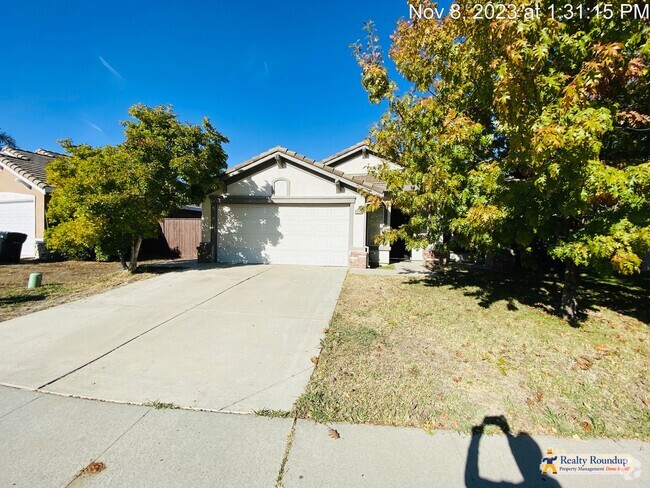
(279, 154)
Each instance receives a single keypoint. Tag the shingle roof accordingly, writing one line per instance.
(345, 152)
(364, 181)
(30, 165)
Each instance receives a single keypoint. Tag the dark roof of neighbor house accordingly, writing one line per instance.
(30, 165)
(363, 181)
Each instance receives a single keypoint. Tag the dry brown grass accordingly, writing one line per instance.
(448, 351)
(63, 282)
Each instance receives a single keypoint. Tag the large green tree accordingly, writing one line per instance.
(529, 132)
(107, 199)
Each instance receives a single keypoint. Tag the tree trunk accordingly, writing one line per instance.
(135, 250)
(569, 303)
(490, 259)
(122, 255)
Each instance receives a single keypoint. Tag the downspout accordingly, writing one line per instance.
(214, 202)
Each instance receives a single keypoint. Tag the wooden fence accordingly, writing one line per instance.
(182, 235)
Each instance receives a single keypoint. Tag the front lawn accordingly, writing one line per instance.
(444, 352)
(62, 282)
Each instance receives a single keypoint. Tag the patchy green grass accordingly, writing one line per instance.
(276, 414)
(449, 350)
(386, 266)
(285, 457)
(63, 282)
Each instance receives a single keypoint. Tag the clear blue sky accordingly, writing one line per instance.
(265, 72)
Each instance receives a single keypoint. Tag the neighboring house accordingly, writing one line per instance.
(24, 195)
(283, 208)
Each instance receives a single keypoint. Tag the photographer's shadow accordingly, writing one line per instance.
(526, 452)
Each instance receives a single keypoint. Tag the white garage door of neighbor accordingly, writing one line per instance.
(283, 234)
(17, 215)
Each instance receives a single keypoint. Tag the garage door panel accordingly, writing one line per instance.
(17, 214)
(283, 234)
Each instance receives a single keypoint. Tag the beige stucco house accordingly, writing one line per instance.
(24, 195)
(284, 208)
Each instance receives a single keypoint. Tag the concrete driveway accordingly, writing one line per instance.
(232, 339)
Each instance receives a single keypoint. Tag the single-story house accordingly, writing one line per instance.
(24, 195)
(284, 208)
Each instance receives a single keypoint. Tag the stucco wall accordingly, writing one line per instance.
(301, 183)
(359, 223)
(8, 183)
(206, 218)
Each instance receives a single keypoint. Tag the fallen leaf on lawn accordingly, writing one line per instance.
(584, 363)
(456, 378)
(586, 426)
(413, 372)
(458, 354)
(576, 437)
(600, 347)
(95, 467)
(536, 399)
(334, 434)
(314, 359)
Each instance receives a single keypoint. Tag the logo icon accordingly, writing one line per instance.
(603, 464)
(548, 462)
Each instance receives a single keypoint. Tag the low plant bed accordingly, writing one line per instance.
(445, 351)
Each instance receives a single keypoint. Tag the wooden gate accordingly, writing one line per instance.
(182, 235)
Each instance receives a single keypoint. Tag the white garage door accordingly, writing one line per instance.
(17, 215)
(283, 234)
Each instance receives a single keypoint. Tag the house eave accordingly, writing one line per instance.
(332, 160)
(244, 199)
(32, 182)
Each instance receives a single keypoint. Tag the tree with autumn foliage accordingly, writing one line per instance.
(531, 133)
(107, 199)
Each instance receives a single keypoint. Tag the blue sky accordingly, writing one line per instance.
(266, 73)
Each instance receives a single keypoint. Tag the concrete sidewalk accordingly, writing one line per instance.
(47, 441)
(377, 456)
